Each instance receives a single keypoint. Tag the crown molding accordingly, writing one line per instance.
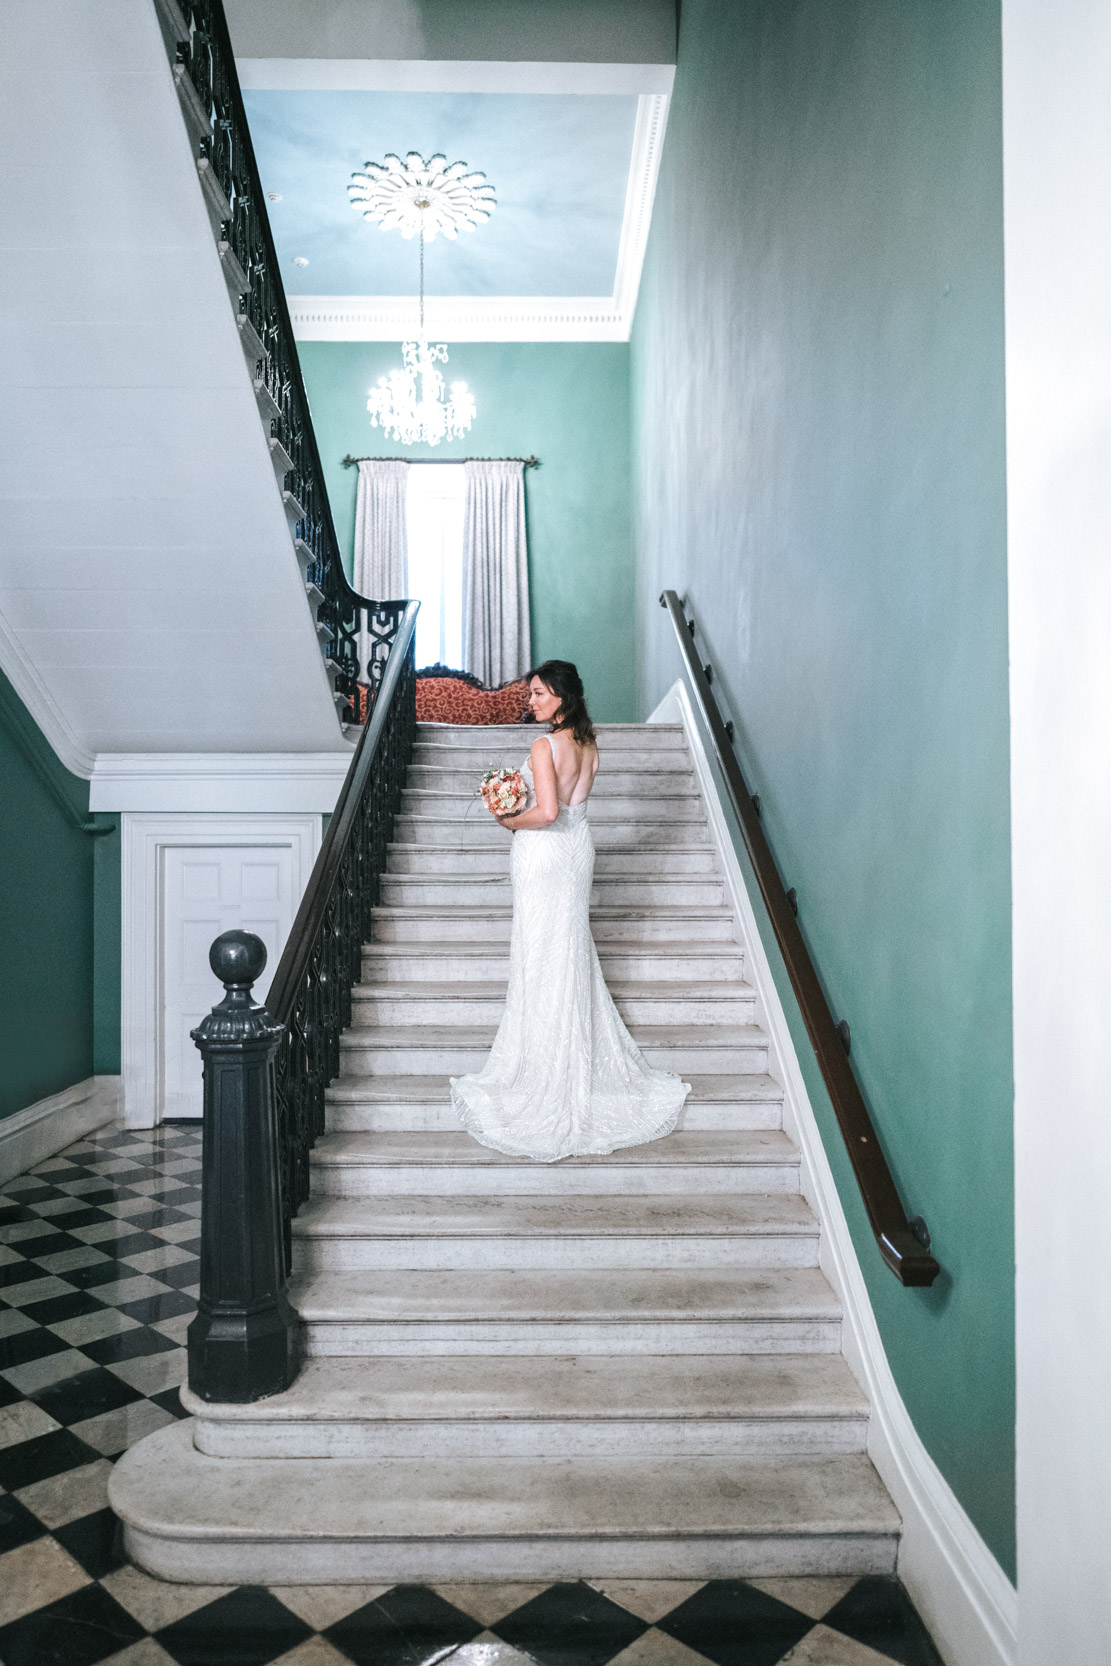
(41, 705)
(407, 75)
(458, 318)
(514, 317)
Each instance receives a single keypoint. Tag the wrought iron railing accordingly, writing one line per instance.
(354, 635)
(311, 992)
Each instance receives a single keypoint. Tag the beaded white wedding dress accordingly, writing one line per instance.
(564, 1077)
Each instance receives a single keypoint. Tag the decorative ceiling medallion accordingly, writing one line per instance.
(415, 196)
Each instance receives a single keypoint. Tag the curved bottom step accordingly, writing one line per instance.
(193, 1518)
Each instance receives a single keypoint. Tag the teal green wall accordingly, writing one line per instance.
(567, 404)
(817, 392)
(46, 916)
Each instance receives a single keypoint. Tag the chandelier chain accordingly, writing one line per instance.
(422, 277)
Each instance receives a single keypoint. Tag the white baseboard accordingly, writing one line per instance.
(965, 1598)
(32, 1135)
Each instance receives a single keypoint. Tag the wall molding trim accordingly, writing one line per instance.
(32, 1135)
(218, 782)
(962, 1593)
(144, 840)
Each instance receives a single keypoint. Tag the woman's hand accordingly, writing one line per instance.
(506, 821)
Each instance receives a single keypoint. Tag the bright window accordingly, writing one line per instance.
(434, 513)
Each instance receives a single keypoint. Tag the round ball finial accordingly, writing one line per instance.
(237, 957)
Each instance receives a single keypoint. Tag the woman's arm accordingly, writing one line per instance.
(546, 808)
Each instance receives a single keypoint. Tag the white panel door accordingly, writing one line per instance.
(207, 890)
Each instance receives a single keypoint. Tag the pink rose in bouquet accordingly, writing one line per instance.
(503, 791)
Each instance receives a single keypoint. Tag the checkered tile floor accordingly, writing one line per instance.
(98, 1278)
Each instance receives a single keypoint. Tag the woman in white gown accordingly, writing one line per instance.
(564, 1077)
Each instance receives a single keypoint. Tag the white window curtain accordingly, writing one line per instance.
(496, 644)
(381, 558)
(434, 515)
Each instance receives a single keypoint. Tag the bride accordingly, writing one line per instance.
(564, 1077)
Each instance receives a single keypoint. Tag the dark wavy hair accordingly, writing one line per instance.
(563, 679)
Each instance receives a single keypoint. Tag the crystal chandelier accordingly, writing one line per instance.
(424, 199)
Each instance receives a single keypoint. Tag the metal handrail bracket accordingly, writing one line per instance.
(900, 1246)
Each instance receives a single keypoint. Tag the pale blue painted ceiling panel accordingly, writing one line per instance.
(559, 164)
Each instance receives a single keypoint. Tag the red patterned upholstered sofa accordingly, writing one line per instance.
(446, 696)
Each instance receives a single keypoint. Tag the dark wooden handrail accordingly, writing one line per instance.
(900, 1247)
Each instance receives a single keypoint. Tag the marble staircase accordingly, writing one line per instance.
(625, 1366)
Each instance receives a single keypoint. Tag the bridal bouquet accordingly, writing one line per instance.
(503, 791)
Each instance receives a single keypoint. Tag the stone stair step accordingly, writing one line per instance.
(480, 736)
(614, 779)
(450, 891)
(415, 923)
(609, 806)
(404, 1049)
(436, 755)
(475, 1002)
(632, 1311)
(369, 1103)
(364, 1164)
(472, 830)
(188, 1516)
(681, 963)
(614, 860)
(709, 1405)
(584, 1230)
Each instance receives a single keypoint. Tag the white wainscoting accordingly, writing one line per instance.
(32, 1135)
(956, 1583)
(157, 849)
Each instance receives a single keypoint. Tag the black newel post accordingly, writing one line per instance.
(245, 1340)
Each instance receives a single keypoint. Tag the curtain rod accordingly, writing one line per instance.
(350, 462)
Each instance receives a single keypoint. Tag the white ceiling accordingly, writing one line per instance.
(150, 600)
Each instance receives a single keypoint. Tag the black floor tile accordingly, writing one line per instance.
(81, 1629)
(734, 1624)
(95, 1541)
(8, 1394)
(571, 1625)
(878, 1613)
(248, 1627)
(38, 1193)
(57, 1308)
(152, 1308)
(45, 1240)
(102, 1272)
(28, 1345)
(169, 1400)
(408, 1626)
(17, 1525)
(106, 1192)
(38, 1459)
(128, 1344)
(184, 1274)
(146, 1220)
(134, 1243)
(18, 1272)
(85, 1394)
(68, 1219)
